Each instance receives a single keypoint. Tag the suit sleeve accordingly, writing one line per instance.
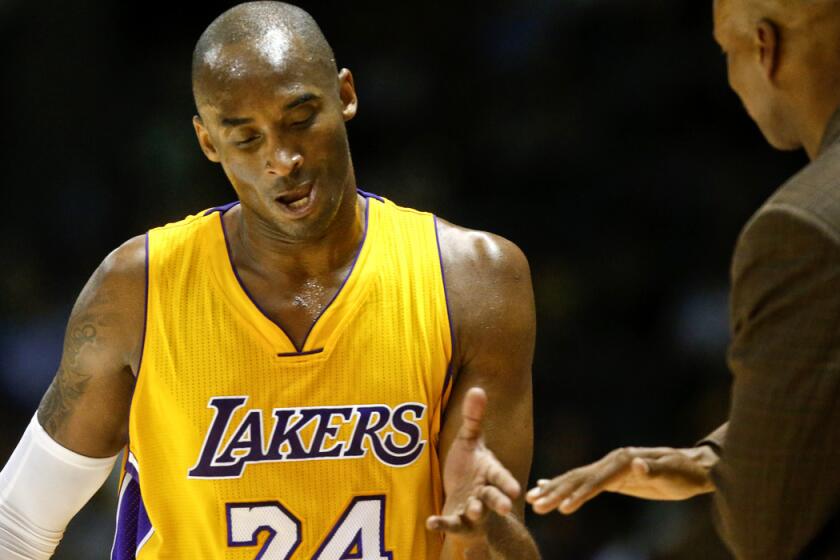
(778, 480)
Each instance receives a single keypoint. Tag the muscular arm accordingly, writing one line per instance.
(86, 407)
(68, 450)
(778, 479)
(492, 306)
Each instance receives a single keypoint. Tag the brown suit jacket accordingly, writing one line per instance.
(778, 480)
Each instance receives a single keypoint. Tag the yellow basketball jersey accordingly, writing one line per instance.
(243, 447)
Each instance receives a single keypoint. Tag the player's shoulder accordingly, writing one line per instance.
(127, 262)
(480, 252)
(487, 277)
(120, 280)
(130, 259)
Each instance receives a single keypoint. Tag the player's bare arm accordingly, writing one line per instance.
(69, 448)
(486, 440)
(86, 407)
(652, 473)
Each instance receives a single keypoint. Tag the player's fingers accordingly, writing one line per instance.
(474, 510)
(495, 500)
(500, 477)
(472, 413)
(446, 524)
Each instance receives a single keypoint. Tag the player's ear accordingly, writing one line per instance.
(767, 50)
(347, 94)
(204, 140)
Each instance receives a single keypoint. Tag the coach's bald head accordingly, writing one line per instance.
(259, 38)
(783, 60)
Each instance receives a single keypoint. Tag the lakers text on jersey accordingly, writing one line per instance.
(244, 447)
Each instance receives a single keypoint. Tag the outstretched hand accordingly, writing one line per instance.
(653, 473)
(474, 480)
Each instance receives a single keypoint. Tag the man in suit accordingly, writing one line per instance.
(775, 469)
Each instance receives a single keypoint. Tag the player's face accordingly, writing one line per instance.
(282, 141)
(748, 76)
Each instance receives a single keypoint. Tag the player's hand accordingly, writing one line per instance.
(474, 480)
(652, 473)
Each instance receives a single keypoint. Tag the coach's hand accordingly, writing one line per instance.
(652, 473)
(474, 481)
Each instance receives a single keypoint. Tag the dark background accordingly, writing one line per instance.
(599, 135)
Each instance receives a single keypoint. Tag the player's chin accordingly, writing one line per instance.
(310, 226)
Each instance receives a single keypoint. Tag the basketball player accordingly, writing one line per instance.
(294, 375)
(775, 468)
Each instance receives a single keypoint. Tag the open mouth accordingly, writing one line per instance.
(298, 200)
(294, 201)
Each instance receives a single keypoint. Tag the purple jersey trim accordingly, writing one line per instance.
(145, 309)
(370, 195)
(129, 468)
(346, 278)
(144, 527)
(222, 209)
(292, 354)
(321, 314)
(134, 528)
(449, 372)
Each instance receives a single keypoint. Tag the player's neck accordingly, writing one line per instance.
(263, 252)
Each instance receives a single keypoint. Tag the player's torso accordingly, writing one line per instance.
(247, 448)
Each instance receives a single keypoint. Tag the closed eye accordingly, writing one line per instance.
(305, 122)
(247, 141)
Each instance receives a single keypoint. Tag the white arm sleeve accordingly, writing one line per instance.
(41, 488)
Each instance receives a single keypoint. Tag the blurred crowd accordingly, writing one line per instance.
(599, 135)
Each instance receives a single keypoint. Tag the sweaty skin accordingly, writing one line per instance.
(492, 305)
(86, 407)
(282, 133)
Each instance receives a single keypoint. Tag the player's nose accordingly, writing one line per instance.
(283, 162)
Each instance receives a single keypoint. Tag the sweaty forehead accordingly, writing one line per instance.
(276, 49)
(264, 45)
(275, 66)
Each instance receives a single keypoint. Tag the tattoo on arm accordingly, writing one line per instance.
(70, 381)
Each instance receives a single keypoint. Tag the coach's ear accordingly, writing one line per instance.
(767, 48)
(204, 140)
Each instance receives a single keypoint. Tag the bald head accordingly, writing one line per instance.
(790, 13)
(259, 37)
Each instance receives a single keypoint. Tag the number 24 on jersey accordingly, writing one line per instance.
(358, 534)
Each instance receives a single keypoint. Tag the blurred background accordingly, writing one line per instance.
(599, 135)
